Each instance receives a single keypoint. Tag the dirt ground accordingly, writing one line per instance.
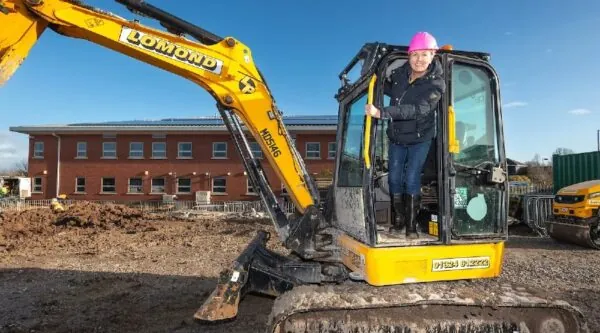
(117, 270)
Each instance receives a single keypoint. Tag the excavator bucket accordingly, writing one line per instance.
(256, 270)
(586, 234)
(22, 32)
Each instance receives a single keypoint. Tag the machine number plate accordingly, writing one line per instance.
(452, 264)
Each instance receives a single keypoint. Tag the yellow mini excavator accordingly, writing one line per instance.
(346, 273)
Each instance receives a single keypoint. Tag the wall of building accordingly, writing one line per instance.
(200, 169)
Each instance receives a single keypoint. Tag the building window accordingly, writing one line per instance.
(37, 185)
(109, 185)
(184, 150)
(136, 149)
(219, 150)
(256, 151)
(135, 185)
(82, 149)
(331, 150)
(249, 187)
(313, 150)
(158, 185)
(80, 185)
(159, 150)
(38, 150)
(219, 185)
(109, 149)
(184, 185)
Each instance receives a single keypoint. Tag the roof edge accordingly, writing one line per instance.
(116, 129)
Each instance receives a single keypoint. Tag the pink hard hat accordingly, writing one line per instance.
(422, 41)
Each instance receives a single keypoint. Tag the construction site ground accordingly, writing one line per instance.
(114, 269)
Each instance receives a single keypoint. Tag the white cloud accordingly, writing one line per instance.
(579, 112)
(7, 150)
(13, 148)
(514, 104)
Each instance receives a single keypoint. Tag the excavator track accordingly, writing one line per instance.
(462, 306)
(582, 233)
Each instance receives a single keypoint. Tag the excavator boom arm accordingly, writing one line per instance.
(222, 66)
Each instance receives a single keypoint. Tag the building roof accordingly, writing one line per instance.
(312, 123)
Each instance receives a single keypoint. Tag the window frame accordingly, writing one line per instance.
(179, 186)
(212, 186)
(104, 150)
(102, 179)
(38, 153)
(306, 151)
(180, 152)
(141, 185)
(77, 185)
(214, 150)
(154, 150)
(140, 151)
(152, 185)
(34, 186)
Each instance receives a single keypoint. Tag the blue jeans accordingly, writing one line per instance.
(405, 167)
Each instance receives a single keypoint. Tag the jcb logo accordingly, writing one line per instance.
(247, 85)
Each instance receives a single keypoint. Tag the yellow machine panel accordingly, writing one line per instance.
(398, 265)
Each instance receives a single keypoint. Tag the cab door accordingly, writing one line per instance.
(477, 175)
(351, 212)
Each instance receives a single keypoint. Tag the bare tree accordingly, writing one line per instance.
(21, 167)
(563, 151)
(18, 169)
(535, 161)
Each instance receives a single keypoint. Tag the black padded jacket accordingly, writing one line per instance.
(412, 109)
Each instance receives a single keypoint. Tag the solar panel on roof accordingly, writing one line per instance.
(288, 120)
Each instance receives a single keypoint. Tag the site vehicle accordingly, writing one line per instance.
(15, 187)
(345, 273)
(576, 215)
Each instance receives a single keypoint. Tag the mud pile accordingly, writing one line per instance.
(28, 225)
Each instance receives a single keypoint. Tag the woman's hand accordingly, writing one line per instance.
(371, 110)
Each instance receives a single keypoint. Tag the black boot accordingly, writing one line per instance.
(413, 203)
(398, 213)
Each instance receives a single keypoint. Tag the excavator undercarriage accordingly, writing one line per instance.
(465, 306)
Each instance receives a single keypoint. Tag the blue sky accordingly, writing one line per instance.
(545, 56)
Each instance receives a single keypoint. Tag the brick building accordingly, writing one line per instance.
(143, 160)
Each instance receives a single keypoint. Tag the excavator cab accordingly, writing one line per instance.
(464, 188)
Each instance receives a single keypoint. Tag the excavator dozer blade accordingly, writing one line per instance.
(461, 306)
(586, 234)
(20, 31)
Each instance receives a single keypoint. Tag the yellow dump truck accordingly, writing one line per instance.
(576, 216)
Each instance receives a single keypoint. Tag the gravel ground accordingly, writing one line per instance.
(124, 272)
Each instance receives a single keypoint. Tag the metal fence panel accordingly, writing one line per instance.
(537, 209)
(15, 204)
